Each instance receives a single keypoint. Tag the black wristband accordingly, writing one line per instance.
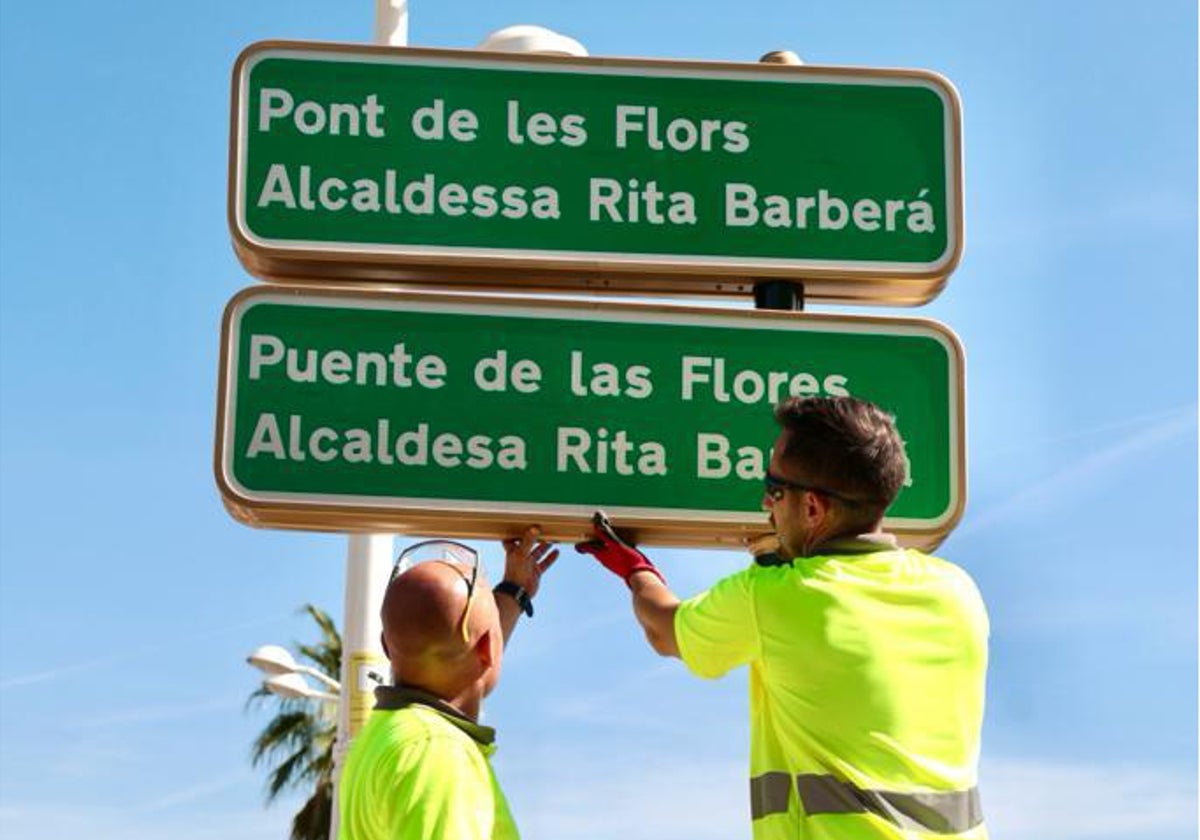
(517, 593)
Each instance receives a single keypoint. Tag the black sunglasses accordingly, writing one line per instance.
(775, 486)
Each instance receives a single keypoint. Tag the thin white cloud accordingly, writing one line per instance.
(1140, 421)
(627, 794)
(691, 570)
(1066, 481)
(142, 652)
(146, 714)
(1050, 800)
(195, 792)
(72, 822)
(1145, 210)
(597, 707)
(58, 673)
(530, 644)
(96, 757)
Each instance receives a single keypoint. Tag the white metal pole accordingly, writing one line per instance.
(368, 556)
(391, 22)
(368, 563)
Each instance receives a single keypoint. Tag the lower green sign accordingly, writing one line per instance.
(471, 416)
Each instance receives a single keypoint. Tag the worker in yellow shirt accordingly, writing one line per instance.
(867, 661)
(420, 769)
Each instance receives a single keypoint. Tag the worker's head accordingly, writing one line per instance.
(836, 466)
(434, 642)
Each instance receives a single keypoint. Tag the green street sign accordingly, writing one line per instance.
(484, 169)
(469, 415)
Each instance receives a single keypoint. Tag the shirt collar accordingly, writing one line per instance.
(390, 698)
(860, 544)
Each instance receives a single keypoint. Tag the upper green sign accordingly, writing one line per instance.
(465, 415)
(540, 171)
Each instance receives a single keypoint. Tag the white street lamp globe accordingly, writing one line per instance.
(272, 659)
(781, 57)
(295, 686)
(525, 38)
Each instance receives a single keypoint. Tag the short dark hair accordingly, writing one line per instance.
(847, 445)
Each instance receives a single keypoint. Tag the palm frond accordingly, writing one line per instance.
(284, 733)
(326, 654)
(313, 820)
(287, 774)
(328, 629)
(329, 662)
(297, 743)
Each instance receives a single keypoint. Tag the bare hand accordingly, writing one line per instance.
(526, 559)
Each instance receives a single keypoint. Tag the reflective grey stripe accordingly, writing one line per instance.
(951, 812)
(769, 794)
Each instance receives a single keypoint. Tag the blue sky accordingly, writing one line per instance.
(128, 597)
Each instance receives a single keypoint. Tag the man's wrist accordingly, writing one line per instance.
(645, 575)
(518, 593)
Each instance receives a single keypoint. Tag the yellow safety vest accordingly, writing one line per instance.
(867, 671)
(419, 770)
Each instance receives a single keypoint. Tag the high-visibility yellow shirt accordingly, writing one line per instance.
(867, 668)
(419, 770)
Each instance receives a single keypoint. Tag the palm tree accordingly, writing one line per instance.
(297, 744)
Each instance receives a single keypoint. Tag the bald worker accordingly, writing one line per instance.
(420, 769)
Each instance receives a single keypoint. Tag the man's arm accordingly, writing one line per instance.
(654, 604)
(717, 629)
(526, 559)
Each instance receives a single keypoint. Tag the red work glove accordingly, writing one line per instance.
(616, 555)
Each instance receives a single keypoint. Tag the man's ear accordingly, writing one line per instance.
(483, 650)
(817, 507)
(821, 517)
